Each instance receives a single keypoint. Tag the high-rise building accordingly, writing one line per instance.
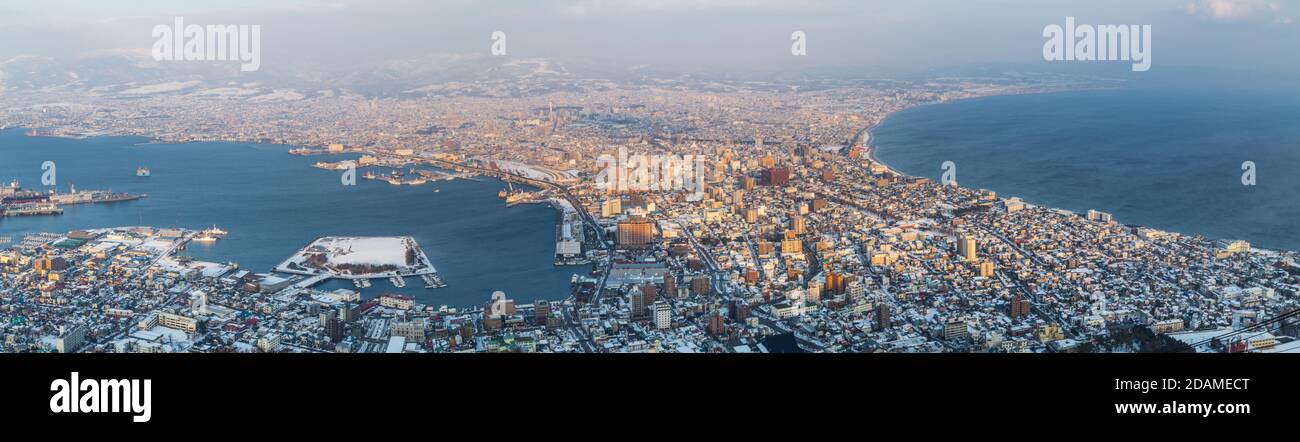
(334, 329)
(717, 324)
(649, 293)
(635, 232)
(1019, 306)
(70, 338)
(663, 315)
(636, 302)
(612, 206)
(966, 247)
(813, 294)
(798, 224)
(541, 310)
(956, 330)
(854, 289)
(791, 244)
(882, 317)
(1101, 217)
(701, 286)
(776, 176)
(986, 269)
(347, 312)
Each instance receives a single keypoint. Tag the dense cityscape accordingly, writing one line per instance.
(799, 239)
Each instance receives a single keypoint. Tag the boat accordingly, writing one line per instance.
(204, 238)
(397, 281)
(33, 209)
(432, 281)
(91, 196)
(215, 232)
(142, 171)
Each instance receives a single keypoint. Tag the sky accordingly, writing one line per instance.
(732, 36)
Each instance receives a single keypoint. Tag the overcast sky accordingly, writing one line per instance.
(721, 35)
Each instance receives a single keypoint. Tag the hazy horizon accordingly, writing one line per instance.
(733, 37)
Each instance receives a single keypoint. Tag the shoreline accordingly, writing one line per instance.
(872, 150)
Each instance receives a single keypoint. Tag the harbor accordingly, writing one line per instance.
(464, 229)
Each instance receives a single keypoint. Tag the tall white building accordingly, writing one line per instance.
(663, 315)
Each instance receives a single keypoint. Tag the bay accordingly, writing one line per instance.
(273, 204)
(1163, 157)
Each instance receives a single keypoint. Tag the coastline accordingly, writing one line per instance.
(871, 152)
(870, 148)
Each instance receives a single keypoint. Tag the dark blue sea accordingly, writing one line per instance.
(272, 204)
(1164, 157)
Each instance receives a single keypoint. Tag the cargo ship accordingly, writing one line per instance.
(91, 196)
(32, 209)
(24, 197)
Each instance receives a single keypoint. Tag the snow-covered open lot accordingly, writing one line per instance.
(380, 250)
(359, 257)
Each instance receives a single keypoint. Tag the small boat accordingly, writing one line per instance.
(142, 171)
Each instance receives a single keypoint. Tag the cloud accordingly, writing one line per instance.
(1273, 11)
(588, 7)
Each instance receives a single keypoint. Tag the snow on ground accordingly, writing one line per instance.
(279, 95)
(563, 204)
(171, 86)
(379, 250)
(533, 172)
(227, 92)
